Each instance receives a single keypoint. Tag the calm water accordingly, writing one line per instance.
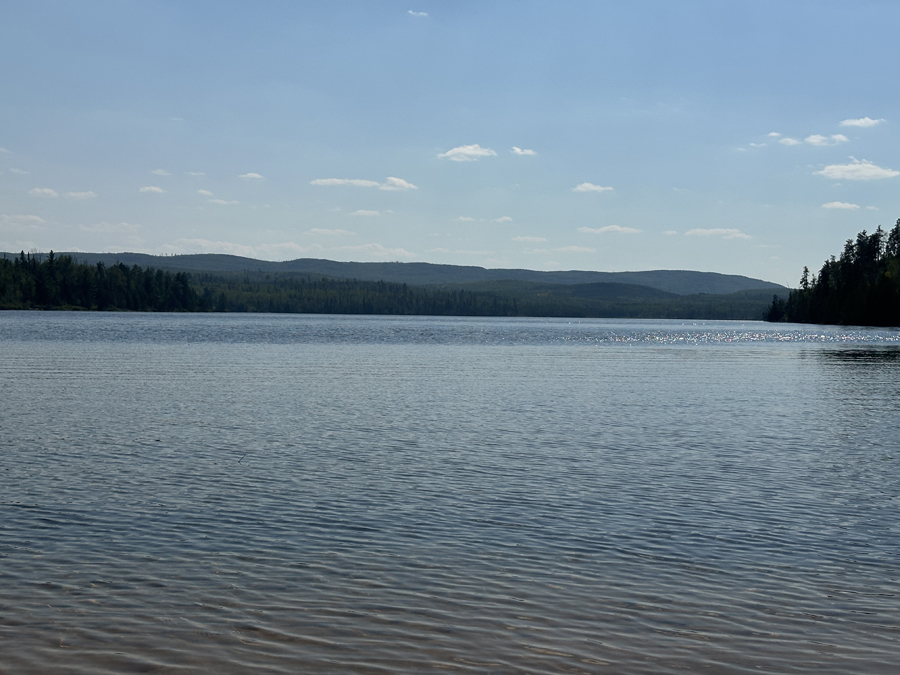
(283, 494)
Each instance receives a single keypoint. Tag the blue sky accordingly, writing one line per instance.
(749, 138)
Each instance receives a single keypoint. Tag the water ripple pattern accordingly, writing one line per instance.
(283, 494)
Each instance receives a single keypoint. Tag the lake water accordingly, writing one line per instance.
(284, 494)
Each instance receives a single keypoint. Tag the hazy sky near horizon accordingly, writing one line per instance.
(749, 138)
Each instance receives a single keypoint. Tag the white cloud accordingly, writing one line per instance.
(379, 251)
(871, 208)
(160, 172)
(840, 205)
(503, 219)
(590, 187)
(774, 134)
(758, 145)
(392, 183)
(529, 239)
(465, 219)
(856, 170)
(326, 232)
(358, 182)
(609, 228)
(194, 173)
(19, 172)
(88, 194)
(789, 141)
(819, 140)
(20, 221)
(521, 151)
(205, 193)
(223, 202)
(670, 232)
(251, 176)
(861, 122)
(412, 13)
(112, 228)
(43, 192)
(364, 212)
(725, 233)
(152, 188)
(467, 153)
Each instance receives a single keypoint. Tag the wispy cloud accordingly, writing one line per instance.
(840, 205)
(379, 251)
(789, 141)
(725, 233)
(152, 188)
(574, 249)
(819, 140)
(4, 151)
(393, 184)
(43, 192)
(871, 208)
(357, 182)
(609, 228)
(87, 194)
(670, 232)
(251, 176)
(205, 193)
(465, 219)
(590, 187)
(420, 14)
(224, 202)
(365, 212)
(773, 134)
(467, 153)
(861, 122)
(160, 172)
(111, 228)
(194, 173)
(21, 221)
(503, 219)
(522, 151)
(330, 233)
(532, 240)
(19, 172)
(857, 170)
(280, 251)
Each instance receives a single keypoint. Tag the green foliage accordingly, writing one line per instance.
(271, 293)
(860, 288)
(27, 282)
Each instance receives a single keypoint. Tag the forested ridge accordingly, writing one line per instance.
(51, 282)
(861, 287)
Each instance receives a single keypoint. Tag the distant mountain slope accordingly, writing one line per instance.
(681, 282)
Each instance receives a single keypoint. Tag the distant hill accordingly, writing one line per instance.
(679, 282)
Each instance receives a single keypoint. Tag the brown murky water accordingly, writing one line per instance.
(232, 494)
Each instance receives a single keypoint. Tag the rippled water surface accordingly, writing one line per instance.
(231, 494)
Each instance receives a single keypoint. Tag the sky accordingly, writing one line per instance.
(744, 138)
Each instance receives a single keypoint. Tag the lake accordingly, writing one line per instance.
(294, 493)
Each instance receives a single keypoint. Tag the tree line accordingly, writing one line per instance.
(60, 282)
(861, 287)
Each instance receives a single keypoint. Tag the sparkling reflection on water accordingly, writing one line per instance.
(359, 494)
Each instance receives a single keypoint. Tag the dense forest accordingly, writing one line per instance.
(60, 282)
(861, 287)
(30, 282)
